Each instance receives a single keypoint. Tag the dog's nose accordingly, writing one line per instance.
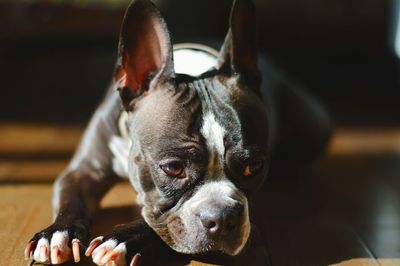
(222, 221)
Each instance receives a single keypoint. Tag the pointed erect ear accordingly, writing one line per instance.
(145, 51)
(239, 53)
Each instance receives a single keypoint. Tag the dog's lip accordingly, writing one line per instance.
(218, 245)
(208, 248)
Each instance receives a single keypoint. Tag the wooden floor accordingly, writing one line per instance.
(344, 210)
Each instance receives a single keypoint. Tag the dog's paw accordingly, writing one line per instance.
(57, 244)
(125, 245)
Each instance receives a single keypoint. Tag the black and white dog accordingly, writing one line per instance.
(196, 136)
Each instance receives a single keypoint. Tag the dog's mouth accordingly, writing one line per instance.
(189, 236)
(214, 219)
(196, 242)
(224, 246)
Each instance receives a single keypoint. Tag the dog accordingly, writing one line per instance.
(195, 130)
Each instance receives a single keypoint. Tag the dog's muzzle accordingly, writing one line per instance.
(215, 218)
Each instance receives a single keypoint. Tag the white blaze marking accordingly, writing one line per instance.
(214, 133)
(224, 190)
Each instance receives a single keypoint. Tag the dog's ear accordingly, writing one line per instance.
(239, 53)
(145, 51)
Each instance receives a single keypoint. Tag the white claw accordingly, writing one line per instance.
(116, 256)
(43, 253)
(75, 250)
(40, 254)
(135, 260)
(93, 245)
(102, 250)
(60, 252)
(28, 250)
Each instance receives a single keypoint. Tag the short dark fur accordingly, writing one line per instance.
(166, 112)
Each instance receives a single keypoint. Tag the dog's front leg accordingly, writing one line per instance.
(76, 196)
(78, 190)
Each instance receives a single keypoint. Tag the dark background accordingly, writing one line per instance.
(57, 57)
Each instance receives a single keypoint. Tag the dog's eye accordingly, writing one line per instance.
(173, 169)
(253, 167)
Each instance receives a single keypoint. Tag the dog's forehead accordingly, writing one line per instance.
(231, 113)
(215, 108)
(220, 121)
(160, 116)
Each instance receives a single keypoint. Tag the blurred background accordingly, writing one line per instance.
(57, 56)
(57, 59)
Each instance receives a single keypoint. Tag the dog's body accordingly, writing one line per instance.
(195, 143)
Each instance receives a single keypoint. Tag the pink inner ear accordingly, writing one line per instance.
(145, 49)
(144, 61)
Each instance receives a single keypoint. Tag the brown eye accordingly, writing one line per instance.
(174, 169)
(252, 168)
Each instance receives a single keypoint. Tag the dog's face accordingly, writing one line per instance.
(199, 150)
(199, 145)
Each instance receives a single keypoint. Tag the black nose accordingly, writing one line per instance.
(222, 221)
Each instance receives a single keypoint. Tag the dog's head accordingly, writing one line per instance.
(199, 144)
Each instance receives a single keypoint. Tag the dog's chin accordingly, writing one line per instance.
(211, 247)
(195, 243)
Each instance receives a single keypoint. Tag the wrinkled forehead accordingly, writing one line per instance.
(163, 116)
(230, 110)
(176, 110)
(200, 108)
(219, 119)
